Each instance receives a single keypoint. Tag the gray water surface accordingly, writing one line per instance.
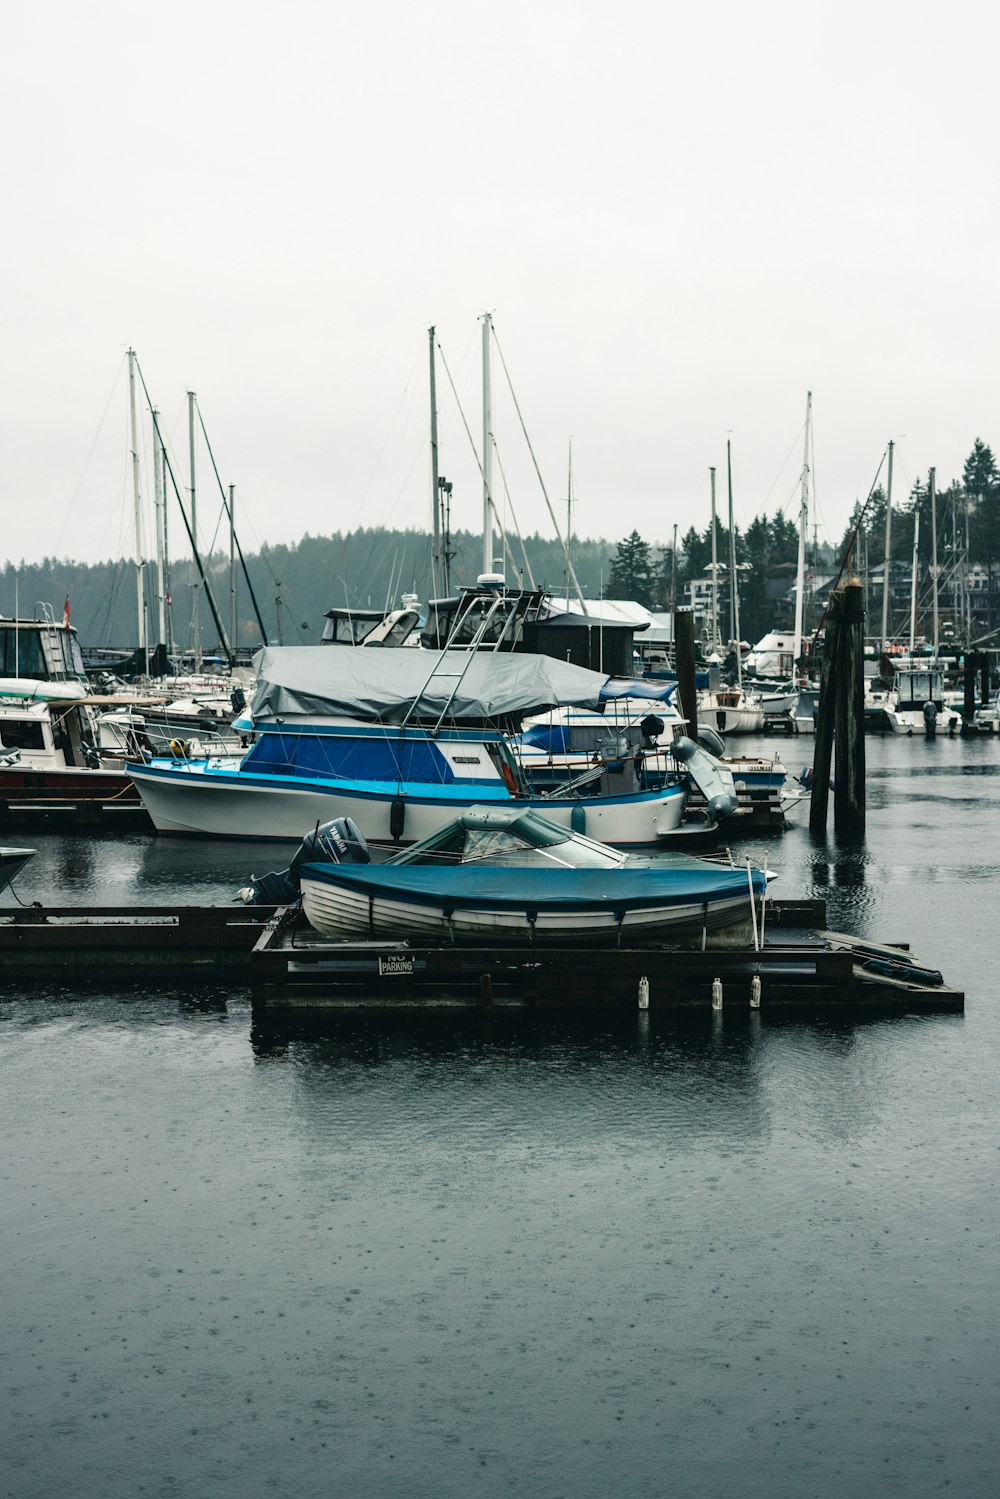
(440, 1255)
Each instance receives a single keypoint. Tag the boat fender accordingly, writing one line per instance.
(397, 818)
(710, 740)
(509, 778)
(578, 818)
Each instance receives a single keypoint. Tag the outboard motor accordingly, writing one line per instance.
(238, 699)
(930, 720)
(338, 842)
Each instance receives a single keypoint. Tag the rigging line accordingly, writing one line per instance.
(513, 516)
(225, 506)
(570, 571)
(210, 596)
(86, 462)
(388, 435)
(781, 470)
(847, 553)
(475, 454)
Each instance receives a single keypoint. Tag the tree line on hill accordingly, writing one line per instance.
(296, 583)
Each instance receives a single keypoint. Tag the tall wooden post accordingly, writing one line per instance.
(849, 725)
(684, 666)
(971, 667)
(984, 667)
(823, 745)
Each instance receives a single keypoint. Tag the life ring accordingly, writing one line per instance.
(510, 779)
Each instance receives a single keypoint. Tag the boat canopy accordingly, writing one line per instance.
(303, 682)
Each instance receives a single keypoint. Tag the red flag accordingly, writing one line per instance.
(169, 600)
(66, 612)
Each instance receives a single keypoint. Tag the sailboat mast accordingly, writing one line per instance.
(160, 502)
(435, 486)
(888, 550)
(232, 563)
(932, 479)
(734, 589)
(800, 570)
(196, 611)
(569, 516)
(161, 459)
(140, 591)
(487, 448)
(913, 582)
(715, 570)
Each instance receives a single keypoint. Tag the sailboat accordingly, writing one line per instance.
(733, 709)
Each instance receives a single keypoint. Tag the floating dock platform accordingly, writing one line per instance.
(287, 966)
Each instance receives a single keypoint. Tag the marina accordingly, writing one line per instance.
(338, 1195)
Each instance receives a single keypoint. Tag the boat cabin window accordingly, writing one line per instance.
(21, 654)
(21, 733)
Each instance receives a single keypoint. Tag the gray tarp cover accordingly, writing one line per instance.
(365, 682)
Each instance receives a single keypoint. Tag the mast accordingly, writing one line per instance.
(913, 583)
(160, 454)
(569, 515)
(160, 509)
(196, 595)
(800, 570)
(232, 564)
(140, 600)
(487, 448)
(673, 571)
(435, 485)
(932, 481)
(888, 550)
(715, 571)
(734, 588)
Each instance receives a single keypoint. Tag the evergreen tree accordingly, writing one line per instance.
(631, 575)
(980, 475)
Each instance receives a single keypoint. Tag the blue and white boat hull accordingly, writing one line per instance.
(349, 903)
(219, 800)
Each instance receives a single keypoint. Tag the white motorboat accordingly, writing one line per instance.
(502, 875)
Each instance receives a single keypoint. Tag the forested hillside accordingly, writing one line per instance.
(362, 568)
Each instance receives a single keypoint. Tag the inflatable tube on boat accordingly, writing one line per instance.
(28, 690)
(711, 741)
(713, 780)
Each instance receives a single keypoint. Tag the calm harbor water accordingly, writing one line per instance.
(433, 1255)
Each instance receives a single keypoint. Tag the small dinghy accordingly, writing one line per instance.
(507, 875)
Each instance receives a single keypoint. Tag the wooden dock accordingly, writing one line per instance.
(800, 966)
(287, 966)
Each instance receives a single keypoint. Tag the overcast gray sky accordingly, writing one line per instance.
(681, 216)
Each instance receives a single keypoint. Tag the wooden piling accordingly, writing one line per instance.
(823, 744)
(684, 665)
(849, 723)
(970, 666)
(840, 717)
